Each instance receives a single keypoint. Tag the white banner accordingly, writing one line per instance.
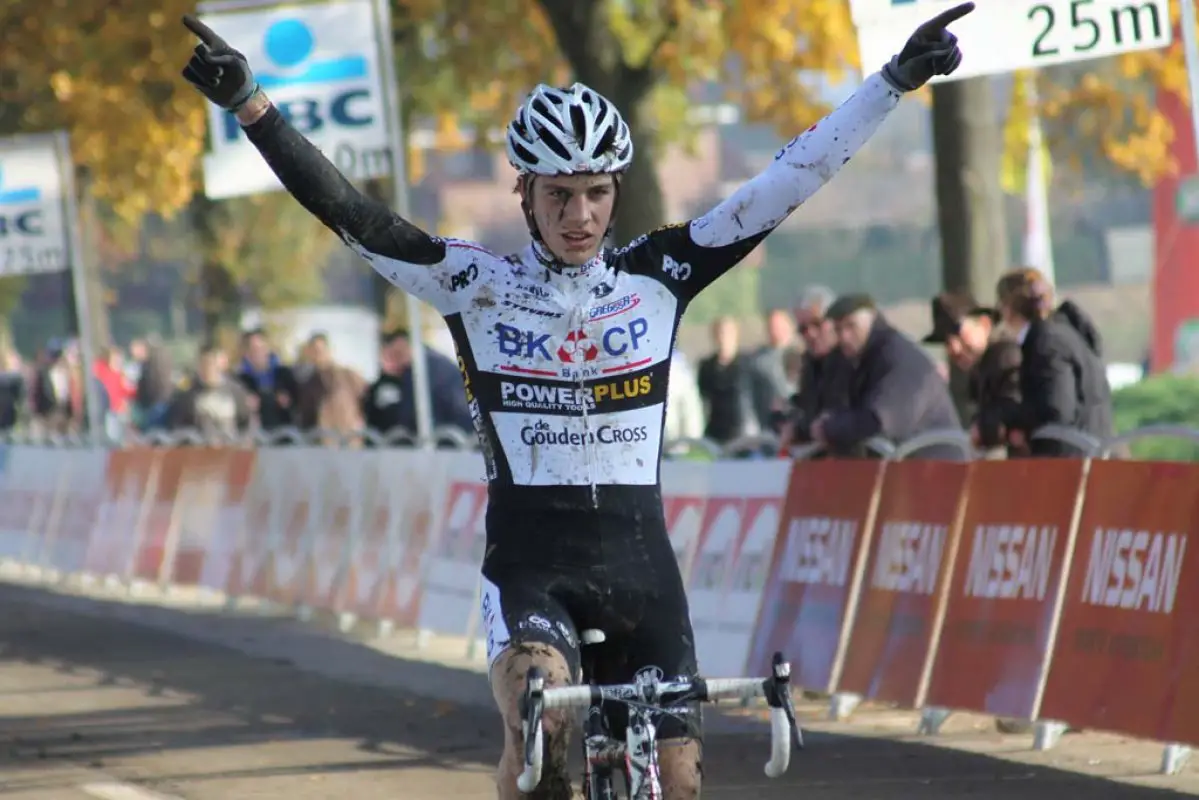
(320, 65)
(739, 523)
(33, 230)
(1005, 35)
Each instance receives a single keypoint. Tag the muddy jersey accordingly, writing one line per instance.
(566, 369)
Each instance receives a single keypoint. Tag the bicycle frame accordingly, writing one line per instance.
(637, 756)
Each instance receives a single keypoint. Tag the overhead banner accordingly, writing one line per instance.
(320, 65)
(33, 230)
(1034, 33)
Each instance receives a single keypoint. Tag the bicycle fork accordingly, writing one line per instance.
(601, 758)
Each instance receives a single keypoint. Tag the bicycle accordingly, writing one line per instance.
(647, 697)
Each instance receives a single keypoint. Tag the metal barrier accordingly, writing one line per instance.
(1149, 432)
(455, 438)
(1091, 445)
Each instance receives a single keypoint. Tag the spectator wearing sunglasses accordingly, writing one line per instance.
(824, 371)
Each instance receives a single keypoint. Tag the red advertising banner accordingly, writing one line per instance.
(906, 579)
(1128, 634)
(816, 567)
(1000, 609)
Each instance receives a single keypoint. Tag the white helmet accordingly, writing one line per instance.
(568, 131)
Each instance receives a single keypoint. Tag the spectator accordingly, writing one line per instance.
(155, 386)
(271, 384)
(684, 406)
(389, 403)
(724, 386)
(13, 389)
(989, 357)
(824, 370)
(138, 350)
(209, 401)
(1062, 376)
(109, 371)
(894, 391)
(303, 366)
(768, 366)
(328, 396)
(58, 390)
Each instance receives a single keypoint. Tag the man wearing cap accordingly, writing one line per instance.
(894, 391)
(991, 360)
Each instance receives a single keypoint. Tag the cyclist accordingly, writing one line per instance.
(565, 349)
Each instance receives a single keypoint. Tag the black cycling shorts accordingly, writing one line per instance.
(549, 575)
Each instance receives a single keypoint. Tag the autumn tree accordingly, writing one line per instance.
(645, 55)
(109, 73)
(1104, 111)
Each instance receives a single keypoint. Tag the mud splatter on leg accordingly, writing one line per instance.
(680, 762)
(508, 686)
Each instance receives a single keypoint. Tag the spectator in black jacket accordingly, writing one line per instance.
(988, 355)
(272, 386)
(724, 384)
(895, 390)
(13, 389)
(824, 370)
(390, 402)
(1063, 379)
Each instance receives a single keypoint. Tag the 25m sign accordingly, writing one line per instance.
(1082, 26)
(1001, 36)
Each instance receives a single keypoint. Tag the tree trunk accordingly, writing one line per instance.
(641, 206)
(595, 56)
(968, 146)
(218, 295)
(93, 276)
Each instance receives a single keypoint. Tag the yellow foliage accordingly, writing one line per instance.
(1110, 110)
(477, 59)
(113, 73)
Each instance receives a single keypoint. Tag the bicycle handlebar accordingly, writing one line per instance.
(776, 689)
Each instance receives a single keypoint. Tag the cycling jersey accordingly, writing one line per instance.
(566, 369)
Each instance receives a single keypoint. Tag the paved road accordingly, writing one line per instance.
(98, 702)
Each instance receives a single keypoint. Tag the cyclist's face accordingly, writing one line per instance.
(572, 213)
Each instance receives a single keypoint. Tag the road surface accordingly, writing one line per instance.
(113, 701)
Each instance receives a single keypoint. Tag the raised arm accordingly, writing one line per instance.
(717, 241)
(400, 251)
(805, 164)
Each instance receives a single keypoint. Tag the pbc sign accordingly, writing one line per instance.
(320, 66)
(314, 92)
(33, 236)
(21, 223)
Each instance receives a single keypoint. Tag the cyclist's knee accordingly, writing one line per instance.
(508, 676)
(680, 765)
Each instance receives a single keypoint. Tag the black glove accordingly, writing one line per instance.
(220, 73)
(932, 50)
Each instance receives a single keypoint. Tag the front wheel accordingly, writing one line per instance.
(598, 784)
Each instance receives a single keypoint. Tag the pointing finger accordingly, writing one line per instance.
(204, 33)
(945, 18)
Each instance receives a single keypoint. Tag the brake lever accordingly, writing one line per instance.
(789, 710)
(531, 710)
(779, 696)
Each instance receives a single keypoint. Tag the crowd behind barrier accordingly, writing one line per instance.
(1057, 590)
